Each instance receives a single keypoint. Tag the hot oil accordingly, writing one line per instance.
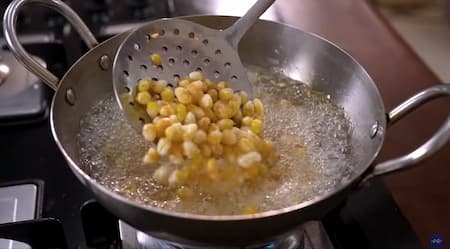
(309, 130)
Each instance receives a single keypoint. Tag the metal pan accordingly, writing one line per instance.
(313, 60)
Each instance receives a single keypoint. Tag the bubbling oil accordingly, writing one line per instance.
(309, 130)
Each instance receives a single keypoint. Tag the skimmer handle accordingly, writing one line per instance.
(235, 32)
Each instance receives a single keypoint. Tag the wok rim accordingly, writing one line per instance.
(219, 218)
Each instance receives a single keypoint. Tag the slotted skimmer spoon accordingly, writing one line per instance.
(184, 47)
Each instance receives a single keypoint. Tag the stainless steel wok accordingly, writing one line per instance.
(303, 56)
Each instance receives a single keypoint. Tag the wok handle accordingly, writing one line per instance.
(9, 29)
(436, 142)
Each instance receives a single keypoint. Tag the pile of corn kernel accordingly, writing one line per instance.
(207, 133)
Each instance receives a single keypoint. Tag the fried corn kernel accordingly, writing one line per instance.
(229, 137)
(211, 166)
(151, 156)
(184, 83)
(217, 149)
(149, 132)
(190, 118)
(174, 132)
(143, 98)
(248, 159)
(247, 121)
(144, 85)
(249, 108)
(214, 94)
(200, 137)
(245, 145)
(259, 107)
(190, 149)
(256, 126)
(183, 96)
(214, 137)
(152, 109)
(196, 75)
(206, 150)
(167, 95)
(184, 193)
(161, 175)
(206, 101)
(251, 209)
(166, 110)
(225, 124)
(155, 59)
(181, 111)
(226, 94)
(244, 96)
(159, 86)
(163, 146)
(189, 131)
(222, 85)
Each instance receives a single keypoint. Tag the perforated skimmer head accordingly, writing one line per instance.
(184, 47)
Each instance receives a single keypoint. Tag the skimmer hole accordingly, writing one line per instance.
(160, 68)
(155, 79)
(148, 36)
(205, 41)
(143, 67)
(171, 61)
(176, 31)
(216, 74)
(176, 77)
(186, 63)
(234, 77)
(127, 89)
(194, 52)
(131, 103)
(130, 57)
(125, 72)
(137, 46)
(170, 84)
(164, 49)
(191, 35)
(218, 52)
(162, 32)
(206, 61)
(179, 48)
(227, 65)
(199, 69)
(142, 120)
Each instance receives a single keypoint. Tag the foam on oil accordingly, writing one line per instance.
(309, 130)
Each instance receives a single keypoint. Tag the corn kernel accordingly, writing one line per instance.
(174, 132)
(183, 95)
(151, 156)
(195, 89)
(256, 126)
(203, 123)
(161, 126)
(200, 137)
(190, 149)
(163, 146)
(211, 166)
(248, 159)
(222, 110)
(182, 175)
(214, 95)
(152, 109)
(208, 85)
(222, 85)
(247, 121)
(149, 132)
(167, 94)
(206, 150)
(245, 145)
(214, 137)
(173, 180)
(252, 171)
(161, 175)
(213, 127)
(184, 83)
(266, 148)
(225, 124)
(181, 111)
(206, 101)
(190, 118)
(259, 108)
(159, 86)
(184, 193)
(173, 119)
(176, 159)
(226, 94)
(197, 111)
(244, 96)
(237, 118)
(217, 149)
(189, 131)
(156, 59)
(144, 85)
(166, 111)
(196, 75)
(229, 137)
(249, 108)
(251, 209)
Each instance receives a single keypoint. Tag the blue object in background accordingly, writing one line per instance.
(437, 241)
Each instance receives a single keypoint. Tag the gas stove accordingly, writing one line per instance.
(43, 205)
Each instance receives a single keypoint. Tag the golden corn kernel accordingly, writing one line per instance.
(196, 75)
(259, 108)
(245, 145)
(197, 111)
(244, 96)
(208, 85)
(251, 209)
(214, 137)
(159, 86)
(214, 94)
(210, 114)
(222, 110)
(252, 171)
(211, 166)
(181, 111)
(151, 156)
(213, 127)
(248, 159)
(217, 149)
(229, 137)
(197, 85)
(206, 101)
(163, 146)
(161, 175)
(174, 132)
(183, 95)
(203, 123)
(206, 150)
(200, 137)
(222, 85)
(184, 193)
(189, 131)
(225, 124)
(226, 94)
(229, 154)
(161, 126)
(173, 180)
(248, 109)
(144, 85)
(266, 148)
(167, 94)
(173, 119)
(152, 109)
(256, 126)
(237, 118)
(184, 83)
(190, 118)
(247, 121)
(149, 132)
(155, 59)
(176, 159)
(166, 111)
(182, 175)
(195, 89)
(190, 149)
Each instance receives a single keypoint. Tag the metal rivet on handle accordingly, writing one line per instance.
(104, 62)
(375, 129)
(70, 96)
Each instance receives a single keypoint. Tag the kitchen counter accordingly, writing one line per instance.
(423, 192)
